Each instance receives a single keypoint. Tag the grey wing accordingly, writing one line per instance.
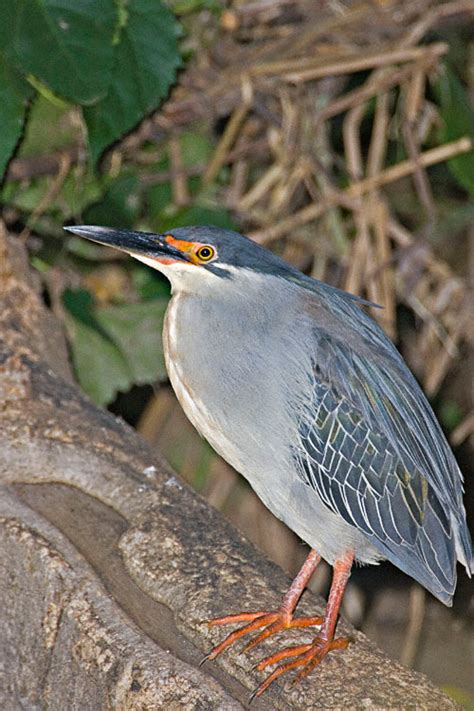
(363, 439)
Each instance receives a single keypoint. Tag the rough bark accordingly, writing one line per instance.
(109, 563)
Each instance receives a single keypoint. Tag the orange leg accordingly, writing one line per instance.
(308, 656)
(272, 622)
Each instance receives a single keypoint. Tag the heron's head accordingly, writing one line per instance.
(190, 255)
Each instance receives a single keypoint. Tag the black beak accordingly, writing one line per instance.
(144, 244)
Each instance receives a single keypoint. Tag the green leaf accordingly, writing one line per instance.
(450, 414)
(136, 330)
(83, 249)
(195, 148)
(458, 120)
(15, 94)
(148, 283)
(80, 189)
(24, 197)
(183, 7)
(114, 347)
(50, 128)
(100, 367)
(67, 44)
(464, 698)
(119, 206)
(158, 198)
(194, 215)
(145, 62)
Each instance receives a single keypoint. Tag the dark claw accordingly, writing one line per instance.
(203, 660)
(253, 695)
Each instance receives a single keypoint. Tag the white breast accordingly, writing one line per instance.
(191, 404)
(194, 407)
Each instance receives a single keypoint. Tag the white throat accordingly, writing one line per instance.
(182, 275)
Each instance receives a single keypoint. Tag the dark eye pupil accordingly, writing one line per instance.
(205, 253)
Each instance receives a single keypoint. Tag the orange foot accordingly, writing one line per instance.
(307, 656)
(272, 622)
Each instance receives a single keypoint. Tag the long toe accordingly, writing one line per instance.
(271, 622)
(307, 656)
(232, 619)
(261, 620)
(281, 624)
(339, 643)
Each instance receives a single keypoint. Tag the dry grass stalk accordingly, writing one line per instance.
(179, 181)
(390, 175)
(464, 430)
(359, 257)
(51, 193)
(408, 167)
(362, 63)
(229, 135)
(417, 609)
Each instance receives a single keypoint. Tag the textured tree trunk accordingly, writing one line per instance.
(109, 563)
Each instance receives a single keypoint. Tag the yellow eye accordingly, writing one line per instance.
(205, 253)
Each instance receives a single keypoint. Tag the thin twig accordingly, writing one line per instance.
(230, 134)
(48, 197)
(406, 167)
(355, 167)
(260, 188)
(416, 616)
(464, 430)
(374, 85)
(400, 170)
(37, 166)
(413, 103)
(384, 277)
(432, 17)
(380, 284)
(179, 181)
(358, 64)
(435, 376)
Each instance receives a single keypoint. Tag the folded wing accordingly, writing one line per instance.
(371, 448)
